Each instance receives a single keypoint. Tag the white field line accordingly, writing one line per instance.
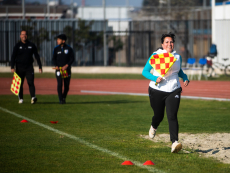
(143, 94)
(104, 150)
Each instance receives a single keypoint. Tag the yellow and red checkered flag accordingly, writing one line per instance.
(64, 73)
(162, 62)
(16, 83)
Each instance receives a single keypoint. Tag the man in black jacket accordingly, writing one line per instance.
(22, 58)
(63, 56)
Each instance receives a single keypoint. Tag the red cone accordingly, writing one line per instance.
(54, 122)
(127, 163)
(24, 121)
(148, 162)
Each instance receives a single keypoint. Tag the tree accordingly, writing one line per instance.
(146, 3)
(188, 3)
(176, 10)
(83, 37)
(117, 45)
(36, 36)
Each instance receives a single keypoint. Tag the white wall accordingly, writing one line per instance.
(222, 32)
(222, 12)
(96, 13)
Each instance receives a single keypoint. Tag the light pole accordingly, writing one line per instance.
(213, 22)
(48, 10)
(104, 40)
(23, 8)
(71, 4)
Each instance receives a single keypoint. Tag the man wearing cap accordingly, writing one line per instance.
(63, 56)
(22, 58)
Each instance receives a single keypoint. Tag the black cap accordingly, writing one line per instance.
(62, 37)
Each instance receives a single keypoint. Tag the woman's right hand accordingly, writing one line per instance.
(159, 79)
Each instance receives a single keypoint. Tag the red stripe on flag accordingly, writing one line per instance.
(166, 65)
(166, 54)
(171, 59)
(157, 66)
(152, 61)
(162, 71)
(162, 60)
(155, 56)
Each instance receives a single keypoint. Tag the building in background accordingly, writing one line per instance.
(221, 33)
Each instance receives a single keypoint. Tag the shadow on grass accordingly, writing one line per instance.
(213, 151)
(96, 102)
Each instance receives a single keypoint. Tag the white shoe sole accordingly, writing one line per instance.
(177, 148)
(152, 135)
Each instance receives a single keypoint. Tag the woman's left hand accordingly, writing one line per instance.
(186, 83)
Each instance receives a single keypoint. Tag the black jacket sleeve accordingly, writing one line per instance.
(13, 57)
(37, 57)
(71, 57)
(54, 59)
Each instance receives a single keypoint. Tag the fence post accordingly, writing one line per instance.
(150, 51)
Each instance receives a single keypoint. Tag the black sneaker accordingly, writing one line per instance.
(33, 100)
(63, 101)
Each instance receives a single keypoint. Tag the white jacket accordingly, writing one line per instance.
(170, 81)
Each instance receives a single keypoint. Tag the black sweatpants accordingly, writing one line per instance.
(60, 80)
(29, 74)
(171, 100)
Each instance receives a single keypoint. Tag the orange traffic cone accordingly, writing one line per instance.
(127, 163)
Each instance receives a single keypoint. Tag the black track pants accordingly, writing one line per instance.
(62, 95)
(171, 100)
(29, 74)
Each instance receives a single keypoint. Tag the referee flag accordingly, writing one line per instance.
(162, 62)
(16, 83)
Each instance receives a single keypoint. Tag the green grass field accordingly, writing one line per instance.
(105, 76)
(111, 122)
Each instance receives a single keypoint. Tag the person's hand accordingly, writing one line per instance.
(186, 83)
(159, 79)
(12, 70)
(40, 70)
(64, 67)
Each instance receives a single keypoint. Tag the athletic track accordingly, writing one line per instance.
(214, 89)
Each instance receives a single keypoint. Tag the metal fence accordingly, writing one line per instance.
(131, 46)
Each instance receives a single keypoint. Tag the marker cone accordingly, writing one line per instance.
(127, 162)
(24, 121)
(54, 122)
(148, 162)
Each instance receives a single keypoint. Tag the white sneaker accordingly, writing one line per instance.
(20, 101)
(176, 147)
(33, 100)
(152, 132)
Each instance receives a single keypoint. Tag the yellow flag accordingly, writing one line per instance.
(64, 73)
(16, 83)
(162, 62)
